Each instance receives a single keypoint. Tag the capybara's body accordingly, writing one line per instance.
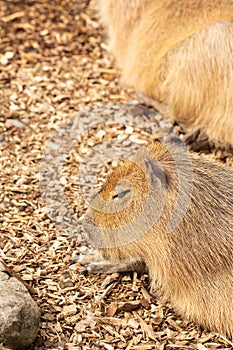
(178, 54)
(178, 220)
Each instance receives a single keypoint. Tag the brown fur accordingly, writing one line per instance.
(191, 266)
(178, 54)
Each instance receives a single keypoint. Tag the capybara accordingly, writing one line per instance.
(172, 211)
(178, 55)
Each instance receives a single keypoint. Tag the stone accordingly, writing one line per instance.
(19, 314)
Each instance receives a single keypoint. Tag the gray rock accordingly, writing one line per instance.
(19, 314)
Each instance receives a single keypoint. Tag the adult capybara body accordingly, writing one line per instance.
(172, 212)
(178, 54)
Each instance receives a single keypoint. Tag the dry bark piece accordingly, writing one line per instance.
(147, 329)
(129, 306)
(4, 268)
(112, 309)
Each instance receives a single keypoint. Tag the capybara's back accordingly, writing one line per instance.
(174, 214)
(178, 54)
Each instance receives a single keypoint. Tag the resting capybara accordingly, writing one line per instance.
(178, 55)
(172, 212)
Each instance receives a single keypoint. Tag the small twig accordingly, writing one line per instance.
(179, 346)
(226, 340)
(106, 292)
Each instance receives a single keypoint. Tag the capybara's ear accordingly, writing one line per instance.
(174, 140)
(157, 175)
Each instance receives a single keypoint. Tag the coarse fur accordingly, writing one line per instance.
(178, 54)
(190, 266)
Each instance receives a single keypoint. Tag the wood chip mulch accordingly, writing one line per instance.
(54, 65)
